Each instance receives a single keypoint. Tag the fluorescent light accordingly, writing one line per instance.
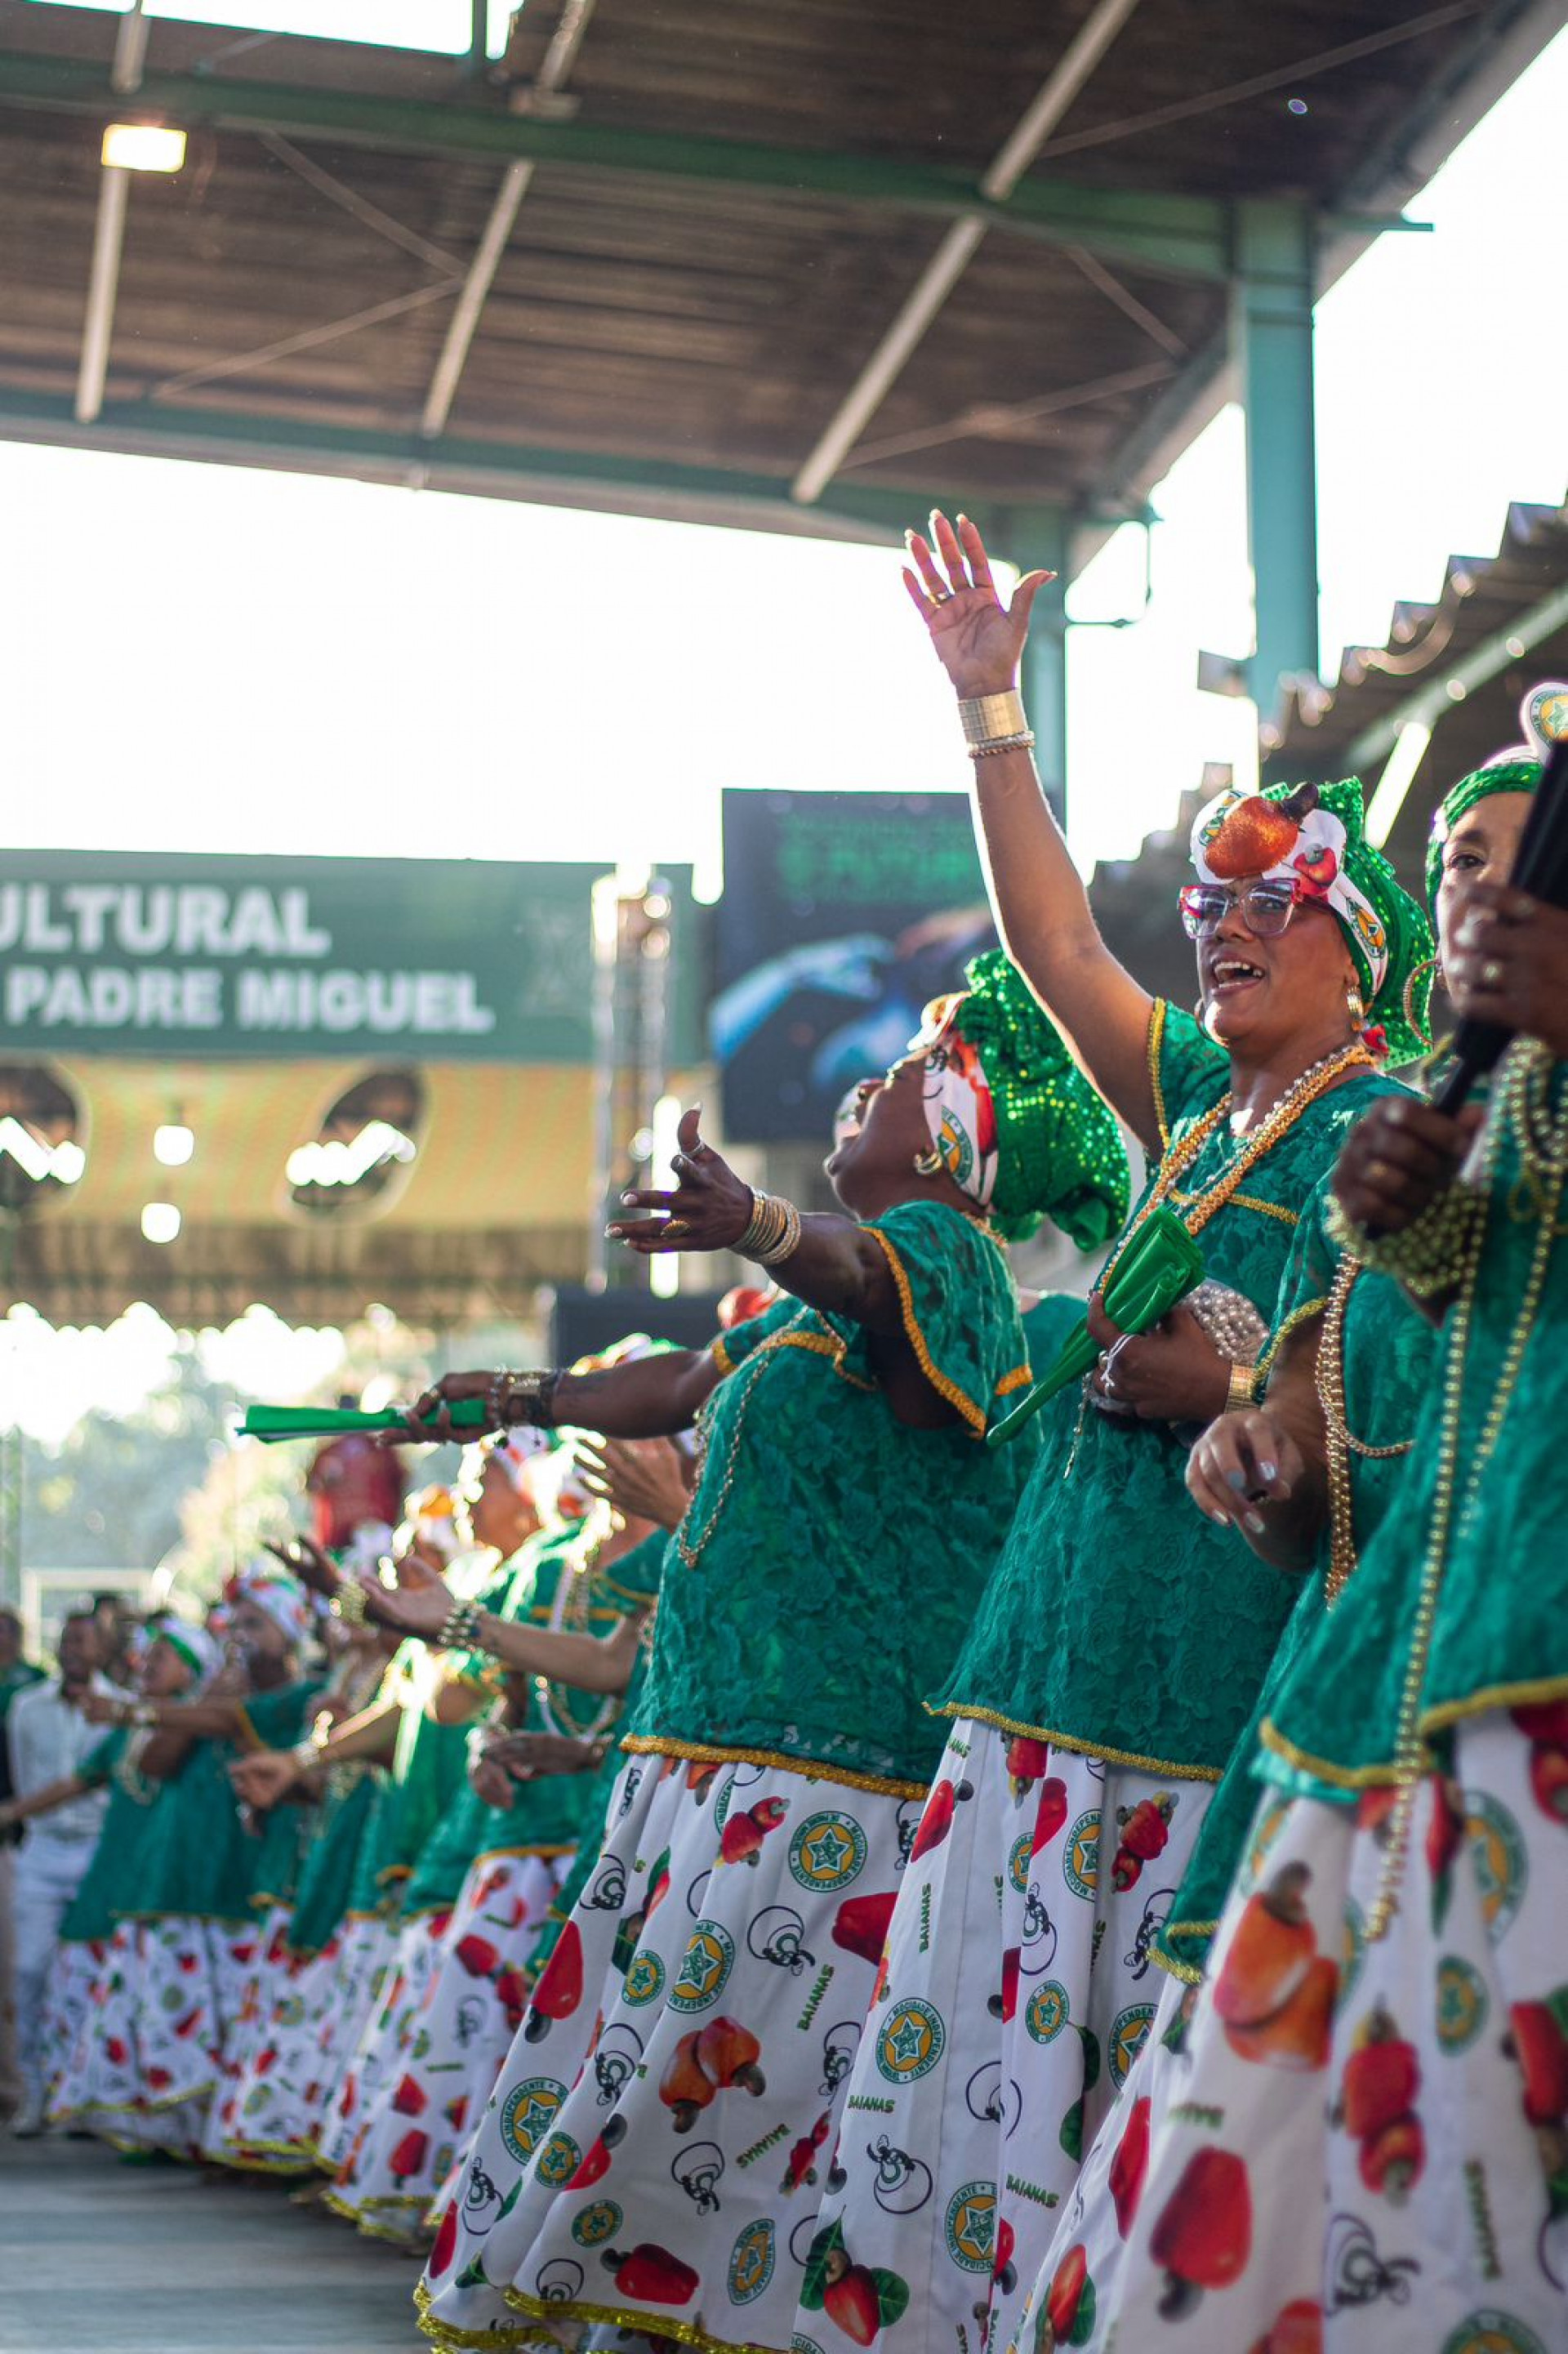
(142, 147)
(68, 1162)
(160, 1221)
(172, 1144)
(29, 1151)
(1409, 751)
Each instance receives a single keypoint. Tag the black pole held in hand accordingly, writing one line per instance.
(1540, 871)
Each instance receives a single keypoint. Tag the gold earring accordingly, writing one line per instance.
(928, 1164)
(1354, 1006)
(1432, 965)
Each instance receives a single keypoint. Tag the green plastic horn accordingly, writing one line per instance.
(1160, 1265)
(271, 1424)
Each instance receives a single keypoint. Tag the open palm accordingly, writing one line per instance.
(977, 639)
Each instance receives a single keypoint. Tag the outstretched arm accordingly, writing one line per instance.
(1036, 892)
(42, 1802)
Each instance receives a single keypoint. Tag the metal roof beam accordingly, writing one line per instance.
(1182, 236)
(558, 62)
(921, 306)
(547, 477)
(108, 228)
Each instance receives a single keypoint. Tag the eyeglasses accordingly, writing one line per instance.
(1265, 909)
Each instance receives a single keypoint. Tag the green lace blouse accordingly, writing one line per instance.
(110, 1881)
(828, 1567)
(1388, 1353)
(1499, 1637)
(639, 1574)
(1119, 1621)
(545, 1817)
(201, 1860)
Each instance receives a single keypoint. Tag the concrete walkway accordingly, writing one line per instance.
(98, 2256)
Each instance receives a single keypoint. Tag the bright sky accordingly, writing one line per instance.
(205, 659)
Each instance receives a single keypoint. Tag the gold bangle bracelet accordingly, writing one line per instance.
(1241, 1393)
(985, 716)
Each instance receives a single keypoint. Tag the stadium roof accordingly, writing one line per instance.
(796, 266)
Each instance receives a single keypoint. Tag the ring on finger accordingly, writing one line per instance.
(1380, 1172)
(1491, 973)
(676, 1226)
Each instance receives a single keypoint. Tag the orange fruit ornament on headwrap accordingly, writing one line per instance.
(1259, 833)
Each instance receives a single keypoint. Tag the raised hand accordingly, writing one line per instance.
(710, 1208)
(417, 1607)
(1508, 964)
(1397, 1158)
(304, 1559)
(977, 639)
(643, 1479)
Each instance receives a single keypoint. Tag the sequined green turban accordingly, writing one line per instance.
(1314, 837)
(1018, 1126)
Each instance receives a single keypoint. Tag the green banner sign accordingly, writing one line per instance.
(433, 960)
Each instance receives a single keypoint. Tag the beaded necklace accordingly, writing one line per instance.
(1542, 1138)
(1342, 1443)
(570, 1608)
(1198, 1209)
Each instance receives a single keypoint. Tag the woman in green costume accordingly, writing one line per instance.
(490, 1872)
(205, 1858)
(1369, 2147)
(824, 1573)
(1120, 1644)
(89, 2065)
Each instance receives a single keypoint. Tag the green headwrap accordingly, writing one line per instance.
(1517, 776)
(1017, 1124)
(1314, 837)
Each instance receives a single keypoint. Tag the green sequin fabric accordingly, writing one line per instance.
(836, 1580)
(1117, 1620)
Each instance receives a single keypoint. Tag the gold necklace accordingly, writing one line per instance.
(1196, 1213)
(571, 1610)
(1342, 1443)
(1548, 1151)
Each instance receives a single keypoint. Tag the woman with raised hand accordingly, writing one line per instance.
(1121, 1641)
(1367, 2142)
(843, 1519)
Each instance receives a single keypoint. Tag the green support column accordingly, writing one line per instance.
(1036, 540)
(1271, 338)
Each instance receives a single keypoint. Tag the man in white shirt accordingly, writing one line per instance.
(47, 1736)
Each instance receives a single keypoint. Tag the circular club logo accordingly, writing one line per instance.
(527, 2114)
(705, 1967)
(1127, 2030)
(1492, 2333)
(972, 2226)
(751, 2263)
(909, 2041)
(644, 1980)
(1018, 1862)
(828, 1851)
(1497, 1851)
(592, 2226)
(1081, 1858)
(1046, 2012)
(559, 2161)
(1462, 2003)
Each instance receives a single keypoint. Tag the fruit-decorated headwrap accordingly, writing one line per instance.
(1314, 838)
(1018, 1127)
(429, 1522)
(1544, 718)
(282, 1597)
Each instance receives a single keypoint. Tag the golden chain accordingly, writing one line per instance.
(1549, 1157)
(692, 1548)
(571, 1610)
(1342, 1443)
(1198, 1209)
